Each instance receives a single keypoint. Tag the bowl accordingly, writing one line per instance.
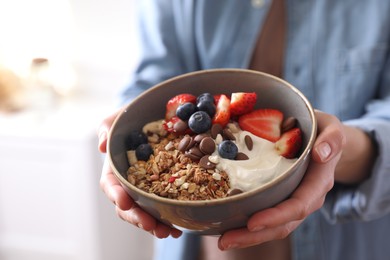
(214, 217)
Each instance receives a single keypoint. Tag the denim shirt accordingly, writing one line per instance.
(337, 53)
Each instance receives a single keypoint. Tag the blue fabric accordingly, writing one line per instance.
(186, 248)
(337, 54)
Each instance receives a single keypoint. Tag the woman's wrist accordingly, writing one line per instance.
(357, 158)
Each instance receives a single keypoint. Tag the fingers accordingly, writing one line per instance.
(331, 138)
(113, 189)
(279, 221)
(143, 220)
(103, 130)
(308, 197)
(128, 210)
(146, 222)
(242, 238)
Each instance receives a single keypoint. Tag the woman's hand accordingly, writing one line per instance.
(278, 222)
(126, 208)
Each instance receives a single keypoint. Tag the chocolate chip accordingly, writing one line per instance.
(234, 192)
(227, 134)
(195, 150)
(215, 130)
(205, 163)
(241, 156)
(194, 153)
(207, 145)
(184, 143)
(248, 142)
(191, 144)
(198, 138)
(192, 156)
(289, 123)
(180, 126)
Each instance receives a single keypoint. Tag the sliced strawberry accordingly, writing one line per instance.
(222, 113)
(176, 101)
(242, 102)
(176, 126)
(264, 123)
(289, 143)
(216, 98)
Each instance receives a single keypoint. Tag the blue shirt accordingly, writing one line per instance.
(337, 53)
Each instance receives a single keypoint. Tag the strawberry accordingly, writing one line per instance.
(176, 101)
(289, 143)
(222, 113)
(264, 123)
(242, 102)
(216, 98)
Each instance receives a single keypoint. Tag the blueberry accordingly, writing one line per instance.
(205, 97)
(199, 122)
(143, 152)
(227, 149)
(206, 106)
(134, 139)
(184, 111)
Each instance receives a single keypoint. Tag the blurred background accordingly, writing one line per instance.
(62, 65)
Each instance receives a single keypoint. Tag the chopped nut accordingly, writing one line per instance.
(214, 159)
(233, 127)
(185, 185)
(217, 176)
(153, 138)
(191, 187)
(155, 168)
(169, 146)
(131, 157)
(153, 127)
(218, 139)
(179, 181)
(154, 177)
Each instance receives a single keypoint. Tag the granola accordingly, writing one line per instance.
(169, 173)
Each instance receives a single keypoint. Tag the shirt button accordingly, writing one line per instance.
(258, 3)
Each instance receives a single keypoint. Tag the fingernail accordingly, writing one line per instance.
(222, 245)
(140, 226)
(324, 150)
(231, 246)
(257, 228)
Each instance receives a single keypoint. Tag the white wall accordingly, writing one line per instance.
(96, 37)
(104, 43)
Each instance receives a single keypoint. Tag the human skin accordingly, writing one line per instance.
(330, 163)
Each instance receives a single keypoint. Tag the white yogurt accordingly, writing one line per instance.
(263, 165)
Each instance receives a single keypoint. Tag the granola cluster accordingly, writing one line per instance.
(169, 173)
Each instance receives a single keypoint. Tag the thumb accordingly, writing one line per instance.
(331, 138)
(103, 130)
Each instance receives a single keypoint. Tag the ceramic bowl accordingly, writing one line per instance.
(213, 217)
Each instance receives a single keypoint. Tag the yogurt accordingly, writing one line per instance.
(263, 165)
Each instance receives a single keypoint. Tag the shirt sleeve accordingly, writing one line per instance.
(370, 199)
(159, 37)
